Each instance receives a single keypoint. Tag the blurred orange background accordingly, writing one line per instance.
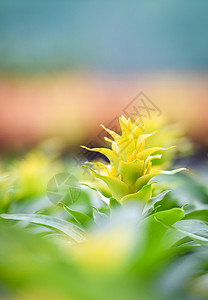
(72, 107)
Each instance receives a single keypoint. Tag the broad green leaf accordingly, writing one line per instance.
(114, 203)
(201, 214)
(142, 195)
(145, 179)
(151, 246)
(73, 231)
(83, 219)
(197, 230)
(130, 171)
(100, 186)
(118, 188)
(141, 181)
(154, 230)
(150, 204)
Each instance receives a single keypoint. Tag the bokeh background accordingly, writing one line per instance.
(67, 66)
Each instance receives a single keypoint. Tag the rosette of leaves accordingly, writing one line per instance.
(127, 175)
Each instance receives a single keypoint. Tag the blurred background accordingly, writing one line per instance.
(67, 66)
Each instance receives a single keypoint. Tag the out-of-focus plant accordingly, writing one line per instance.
(6, 191)
(32, 174)
(125, 257)
(168, 135)
(25, 180)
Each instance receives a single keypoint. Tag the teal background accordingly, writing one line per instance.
(120, 36)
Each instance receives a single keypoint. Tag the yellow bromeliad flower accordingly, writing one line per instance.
(129, 171)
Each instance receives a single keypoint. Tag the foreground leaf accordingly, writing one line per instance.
(151, 203)
(83, 219)
(69, 229)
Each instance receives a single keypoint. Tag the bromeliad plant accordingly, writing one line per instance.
(124, 179)
(134, 251)
(130, 169)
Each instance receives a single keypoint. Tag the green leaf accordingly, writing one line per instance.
(130, 171)
(114, 203)
(142, 195)
(201, 214)
(155, 230)
(73, 231)
(151, 245)
(150, 204)
(83, 219)
(100, 186)
(197, 230)
(113, 157)
(145, 179)
(99, 216)
(118, 188)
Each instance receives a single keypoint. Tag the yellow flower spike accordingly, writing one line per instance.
(137, 123)
(148, 167)
(141, 148)
(113, 144)
(129, 123)
(126, 145)
(120, 177)
(136, 131)
(124, 125)
(114, 135)
(130, 167)
(112, 171)
(129, 158)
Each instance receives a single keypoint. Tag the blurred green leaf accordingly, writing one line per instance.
(197, 214)
(152, 201)
(83, 219)
(114, 203)
(73, 231)
(196, 230)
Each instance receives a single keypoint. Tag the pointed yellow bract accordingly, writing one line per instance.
(130, 164)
